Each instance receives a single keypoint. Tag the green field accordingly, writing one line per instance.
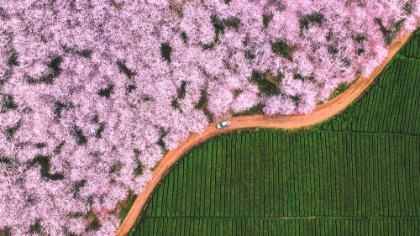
(356, 174)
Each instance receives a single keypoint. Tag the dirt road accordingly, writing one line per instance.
(320, 114)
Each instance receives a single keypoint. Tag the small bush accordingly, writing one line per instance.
(184, 37)
(236, 93)
(5, 231)
(124, 206)
(55, 68)
(408, 8)
(208, 46)
(265, 87)
(54, 65)
(139, 169)
(249, 55)
(78, 185)
(303, 78)
(44, 162)
(98, 132)
(175, 104)
(282, 49)
(166, 51)
(274, 78)
(182, 90)
(40, 145)
(55, 176)
(106, 92)
(339, 90)
(117, 6)
(232, 22)
(162, 134)
(124, 69)
(116, 167)
(267, 19)
(296, 99)
(10, 131)
(3, 14)
(57, 149)
(314, 18)
(130, 88)
(5, 160)
(86, 53)
(203, 100)
(13, 59)
(58, 108)
(8, 103)
(95, 119)
(359, 38)
(93, 221)
(202, 104)
(78, 135)
(220, 25)
(36, 228)
(360, 51)
(177, 8)
(333, 50)
(389, 34)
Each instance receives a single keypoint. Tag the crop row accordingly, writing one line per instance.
(412, 49)
(268, 227)
(276, 174)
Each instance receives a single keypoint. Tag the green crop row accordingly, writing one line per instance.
(412, 49)
(277, 174)
(269, 227)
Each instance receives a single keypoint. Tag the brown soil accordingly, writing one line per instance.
(320, 114)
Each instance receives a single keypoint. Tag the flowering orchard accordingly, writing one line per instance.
(93, 91)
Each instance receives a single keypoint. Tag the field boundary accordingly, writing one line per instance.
(321, 113)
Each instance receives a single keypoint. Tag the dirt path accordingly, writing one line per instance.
(320, 114)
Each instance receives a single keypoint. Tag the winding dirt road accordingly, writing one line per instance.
(320, 114)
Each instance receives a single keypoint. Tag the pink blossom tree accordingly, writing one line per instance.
(93, 92)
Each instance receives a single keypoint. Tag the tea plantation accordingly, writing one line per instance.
(356, 174)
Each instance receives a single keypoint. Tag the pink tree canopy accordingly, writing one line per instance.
(93, 92)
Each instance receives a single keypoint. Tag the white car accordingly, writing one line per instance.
(223, 124)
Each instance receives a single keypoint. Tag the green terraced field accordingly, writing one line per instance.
(356, 174)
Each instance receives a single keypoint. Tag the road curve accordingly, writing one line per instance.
(320, 114)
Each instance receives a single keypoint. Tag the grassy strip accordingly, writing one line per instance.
(124, 207)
